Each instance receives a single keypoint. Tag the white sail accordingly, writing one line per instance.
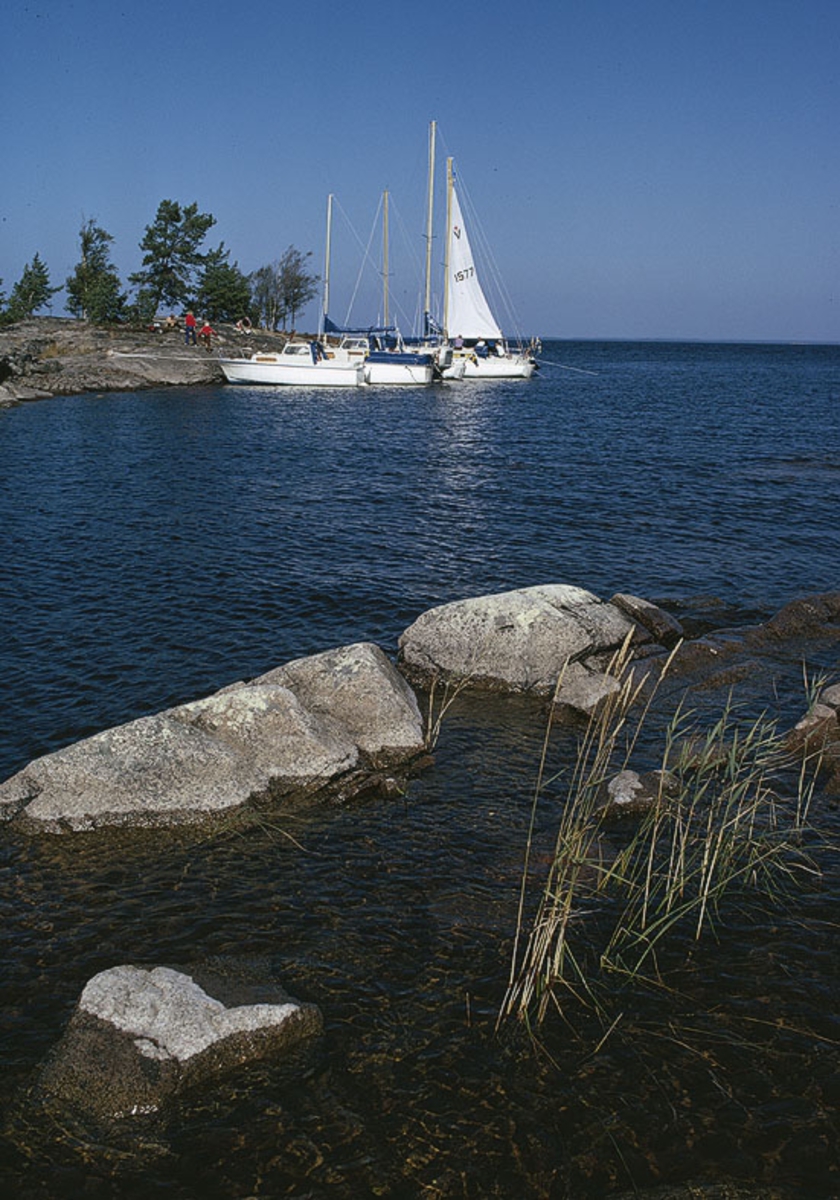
(468, 313)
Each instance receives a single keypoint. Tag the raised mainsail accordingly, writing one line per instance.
(468, 314)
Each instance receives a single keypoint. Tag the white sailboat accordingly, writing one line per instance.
(469, 323)
(380, 353)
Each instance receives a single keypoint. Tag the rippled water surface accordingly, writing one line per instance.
(155, 546)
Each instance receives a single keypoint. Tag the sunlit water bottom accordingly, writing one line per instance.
(173, 542)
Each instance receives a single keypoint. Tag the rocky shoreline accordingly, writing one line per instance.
(336, 724)
(347, 721)
(59, 356)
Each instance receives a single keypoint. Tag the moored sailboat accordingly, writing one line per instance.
(380, 351)
(469, 323)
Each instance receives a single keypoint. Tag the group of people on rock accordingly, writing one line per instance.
(205, 334)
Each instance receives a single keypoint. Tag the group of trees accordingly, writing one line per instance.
(176, 273)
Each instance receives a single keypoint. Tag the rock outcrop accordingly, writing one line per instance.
(327, 723)
(139, 1036)
(523, 641)
(511, 641)
(52, 356)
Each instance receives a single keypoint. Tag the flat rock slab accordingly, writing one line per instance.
(210, 756)
(512, 641)
(140, 1035)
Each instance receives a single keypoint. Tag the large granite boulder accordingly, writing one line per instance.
(140, 1035)
(275, 737)
(519, 641)
(359, 687)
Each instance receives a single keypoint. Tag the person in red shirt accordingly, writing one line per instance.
(205, 334)
(189, 329)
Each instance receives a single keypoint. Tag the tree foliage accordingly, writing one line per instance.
(223, 290)
(265, 296)
(281, 289)
(31, 292)
(94, 289)
(297, 286)
(172, 257)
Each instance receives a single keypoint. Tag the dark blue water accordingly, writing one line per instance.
(156, 545)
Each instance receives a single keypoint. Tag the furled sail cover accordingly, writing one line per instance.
(469, 314)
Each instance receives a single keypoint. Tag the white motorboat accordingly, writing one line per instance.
(298, 363)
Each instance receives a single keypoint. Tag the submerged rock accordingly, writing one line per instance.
(140, 1035)
(581, 692)
(512, 641)
(248, 741)
(631, 793)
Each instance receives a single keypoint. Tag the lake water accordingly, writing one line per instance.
(157, 545)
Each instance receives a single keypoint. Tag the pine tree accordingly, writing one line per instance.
(31, 292)
(172, 256)
(93, 289)
(223, 292)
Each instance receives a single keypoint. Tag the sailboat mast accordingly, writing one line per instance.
(327, 266)
(385, 296)
(427, 301)
(446, 252)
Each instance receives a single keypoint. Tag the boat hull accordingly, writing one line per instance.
(396, 373)
(513, 366)
(272, 370)
(393, 367)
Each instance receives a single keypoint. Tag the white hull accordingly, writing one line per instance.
(509, 366)
(277, 370)
(393, 367)
(456, 369)
(398, 373)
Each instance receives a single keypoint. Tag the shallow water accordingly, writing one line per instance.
(158, 545)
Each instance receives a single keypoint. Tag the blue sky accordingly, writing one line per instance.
(641, 168)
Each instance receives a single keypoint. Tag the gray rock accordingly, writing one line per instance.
(515, 641)
(581, 692)
(830, 696)
(140, 1035)
(817, 730)
(661, 626)
(213, 755)
(630, 793)
(360, 687)
(52, 356)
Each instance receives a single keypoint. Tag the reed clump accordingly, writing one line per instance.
(729, 819)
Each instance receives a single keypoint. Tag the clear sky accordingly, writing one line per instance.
(641, 168)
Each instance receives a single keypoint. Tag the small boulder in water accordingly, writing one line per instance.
(140, 1035)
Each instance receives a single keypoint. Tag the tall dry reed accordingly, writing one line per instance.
(731, 809)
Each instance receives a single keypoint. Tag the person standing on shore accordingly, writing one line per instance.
(206, 335)
(189, 329)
